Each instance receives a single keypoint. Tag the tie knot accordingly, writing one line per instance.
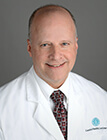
(57, 97)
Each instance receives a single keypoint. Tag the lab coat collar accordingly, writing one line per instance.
(32, 88)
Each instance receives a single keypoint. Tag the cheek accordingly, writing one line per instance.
(38, 58)
(71, 55)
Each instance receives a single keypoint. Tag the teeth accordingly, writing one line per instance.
(56, 65)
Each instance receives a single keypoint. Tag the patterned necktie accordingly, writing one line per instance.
(60, 112)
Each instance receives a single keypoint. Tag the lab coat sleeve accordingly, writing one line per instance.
(1, 135)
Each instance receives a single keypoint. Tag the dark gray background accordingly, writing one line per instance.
(91, 17)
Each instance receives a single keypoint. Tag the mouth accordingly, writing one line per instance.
(56, 65)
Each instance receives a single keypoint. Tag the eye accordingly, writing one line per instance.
(44, 45)
(65, 44)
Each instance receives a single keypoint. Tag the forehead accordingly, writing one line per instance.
(51, 16)
(53, 27)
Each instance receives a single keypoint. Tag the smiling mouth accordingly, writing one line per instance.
(56, 66)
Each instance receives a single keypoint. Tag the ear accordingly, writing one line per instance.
(76, 43)
(29, 48)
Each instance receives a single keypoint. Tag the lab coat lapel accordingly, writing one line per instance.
(43, 114)
(75, 116)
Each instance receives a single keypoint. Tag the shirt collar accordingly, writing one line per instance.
(47, 90)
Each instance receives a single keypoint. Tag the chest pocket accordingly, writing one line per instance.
(96, 127)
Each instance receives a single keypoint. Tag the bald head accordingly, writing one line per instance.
(47, 10)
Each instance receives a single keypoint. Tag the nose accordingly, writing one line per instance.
(55, 53)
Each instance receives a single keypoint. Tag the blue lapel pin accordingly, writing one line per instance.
(95, 121)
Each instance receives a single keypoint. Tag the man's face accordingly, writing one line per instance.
(53, 47)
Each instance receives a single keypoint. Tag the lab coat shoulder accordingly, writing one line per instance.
(11, 89)
(13, 92)
(90, 91)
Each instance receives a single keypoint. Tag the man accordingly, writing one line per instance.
(27, 108)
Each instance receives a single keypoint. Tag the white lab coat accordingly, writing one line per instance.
(26, 115)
